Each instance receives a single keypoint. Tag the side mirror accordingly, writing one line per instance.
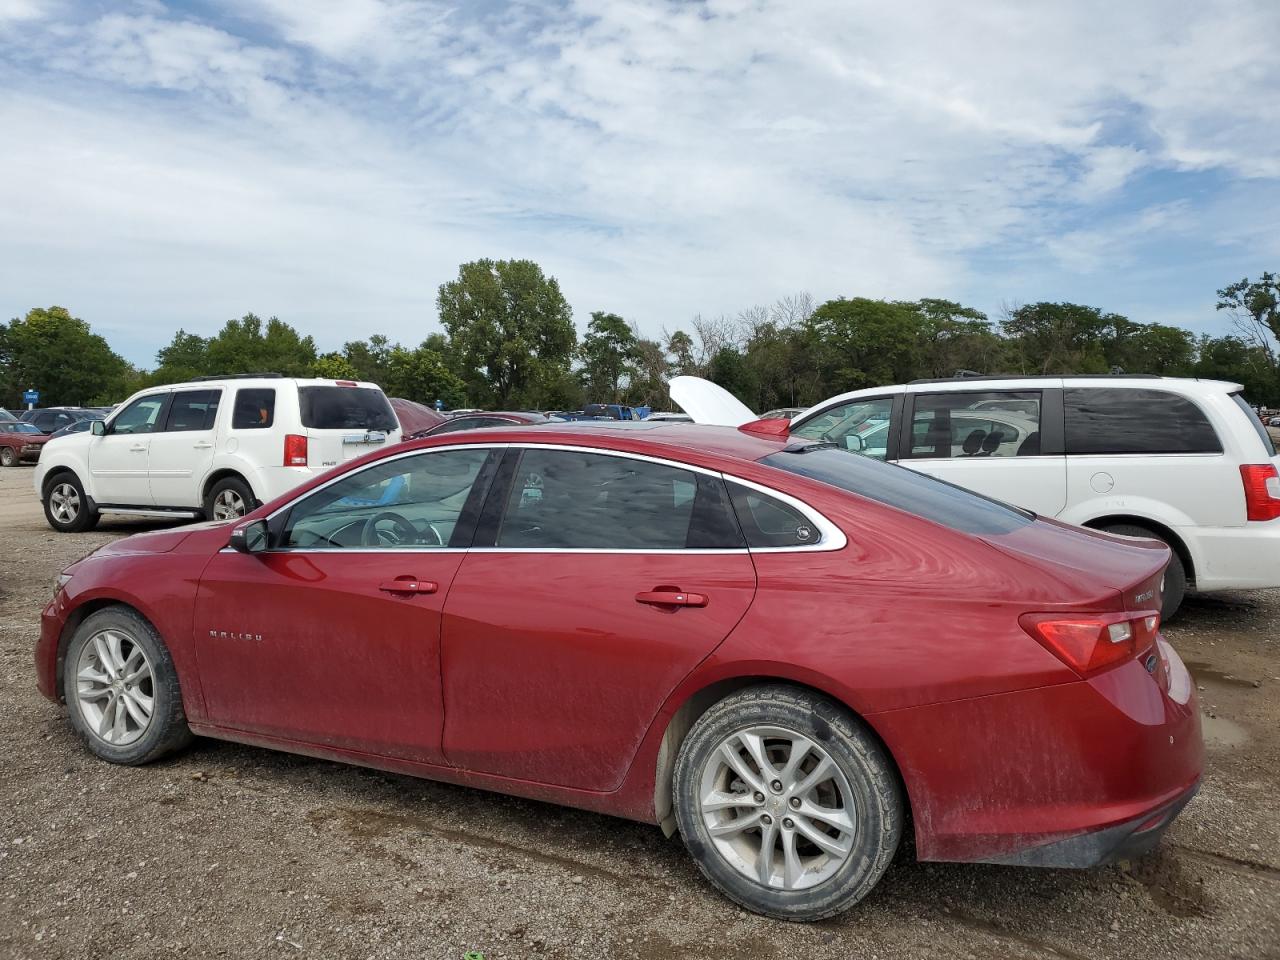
(854, 442)
(251, 537)
(98, 427)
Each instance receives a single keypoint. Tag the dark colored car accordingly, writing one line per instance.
(20, 443)
(80, 426)
(774, 646)
(473, 421)
(50, 419)
(415, 417)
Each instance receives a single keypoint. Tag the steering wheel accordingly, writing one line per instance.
(431, 529)
(401, 532)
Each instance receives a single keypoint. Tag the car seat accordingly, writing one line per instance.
(973, 442)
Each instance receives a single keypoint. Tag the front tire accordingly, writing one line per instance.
(1175, 576)
(788, 804)
(121, 689)
(66, 508)
(228, 499)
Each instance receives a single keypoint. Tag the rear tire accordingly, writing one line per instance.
(7, 457)
(821, 816)
(1175, 577)
(66, 507)
(229, 499)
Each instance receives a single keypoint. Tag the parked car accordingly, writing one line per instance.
(212, 447)
(19, 443)
(609, 411)
(1184, 461)
(6, 415)
(664, 416)
(50, 419)
(80, 426)
(960, 656)
(415, 417)
(783, 413)
(472, 421)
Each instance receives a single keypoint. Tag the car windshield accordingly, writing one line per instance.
(20, 427)
(943, 503)
(345, 408)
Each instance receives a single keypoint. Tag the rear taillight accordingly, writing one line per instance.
(1261, 490)
(295, 450)
(1092, 642)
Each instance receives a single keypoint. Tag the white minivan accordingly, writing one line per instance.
(213, 447)
(1184, 461)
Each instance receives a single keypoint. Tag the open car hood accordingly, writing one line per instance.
(706, 402)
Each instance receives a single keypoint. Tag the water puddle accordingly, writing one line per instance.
(1205, 672)
(1221, 732)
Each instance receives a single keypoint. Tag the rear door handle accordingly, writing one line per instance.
(409, 585)
(140, 448)
(204, 446)
(671, 598)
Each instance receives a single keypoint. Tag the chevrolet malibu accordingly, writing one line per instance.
(773, 646)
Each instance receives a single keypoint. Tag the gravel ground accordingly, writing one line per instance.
(238, 852)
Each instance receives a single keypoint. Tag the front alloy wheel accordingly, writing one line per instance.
(115, 688)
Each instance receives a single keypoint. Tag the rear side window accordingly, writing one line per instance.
(564, 500)
(1254, 422)
(956, 425)
(768, 522)
(193, 410)
(255, 409)
(346, 408)
(1118, 420)
(943, 503)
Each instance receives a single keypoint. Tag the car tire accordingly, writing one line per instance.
(226, 497)
(66, 508)
(1175, 577)
(109, 710)
(834, 831)
(8, 458)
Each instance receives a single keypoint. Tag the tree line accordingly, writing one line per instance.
(509, 341)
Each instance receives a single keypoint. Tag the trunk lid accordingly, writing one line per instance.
(707, 402)
(345, 421)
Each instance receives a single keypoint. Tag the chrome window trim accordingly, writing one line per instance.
(831, 536)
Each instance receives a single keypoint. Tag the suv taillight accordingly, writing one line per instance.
(295, 450)
(1091, 642)
(1261, 490)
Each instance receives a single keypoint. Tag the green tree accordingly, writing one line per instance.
(729, 369)
(1255, 309)
(1234, 359)
(51, 351)
(954, 337)
(865, 343)
(609, 353)
(334, 366)
(186, 356)
(680, 346)
(422, 375)
(246, 346)
(1058, 337)
(1153, 348)
(510, 326)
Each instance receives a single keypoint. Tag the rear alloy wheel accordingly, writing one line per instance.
(7, 457)
(788, 804)
(122, 690)
(1175, 576)
(229, 499)
(66, 507)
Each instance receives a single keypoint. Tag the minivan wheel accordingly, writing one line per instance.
(7, 457)
(122, 690)
(228, 499)
(66, 507)
(1175, 577)
(788, 804)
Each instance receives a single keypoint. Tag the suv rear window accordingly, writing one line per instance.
(1254, 422)
(346, 408)
(943, 503)
(1118, 420)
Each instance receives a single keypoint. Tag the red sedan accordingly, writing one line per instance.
(774, 647)
(20, 443)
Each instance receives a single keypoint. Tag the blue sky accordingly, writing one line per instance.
(333, 162)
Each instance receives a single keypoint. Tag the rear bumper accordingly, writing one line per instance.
(1236, 558)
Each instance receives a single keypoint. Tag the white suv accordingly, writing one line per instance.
(1183, 461)
(212, 447)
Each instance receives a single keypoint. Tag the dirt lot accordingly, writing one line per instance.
(236, 852)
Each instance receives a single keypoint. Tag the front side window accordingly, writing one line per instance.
(407, 503)
(254, 408)
(859, 425)
(141, 416)
(1119, 420)
(959, 425)
(346, 408)
(193, 410)
(565, 500)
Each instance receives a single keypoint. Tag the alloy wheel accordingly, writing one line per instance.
(64, 503)
(228, 505)
(777, 808)
(115, 689)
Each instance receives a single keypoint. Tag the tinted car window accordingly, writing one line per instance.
(1115, 420)
(1254, 422)
(943, 503)
(561, 499)
(954, 425)
(406, 503)
(860, 425)
(346, 408)
(140, 416)
(255, 409)
(193, 410)
(471, 423)
(768, 522)
(13, 426)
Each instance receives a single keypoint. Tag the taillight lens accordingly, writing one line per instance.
(1093, 642)
(295, 450)
(1261, 490)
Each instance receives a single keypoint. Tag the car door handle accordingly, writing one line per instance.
(139, 448)
(409, 585)
(671, 598)
(205, 445)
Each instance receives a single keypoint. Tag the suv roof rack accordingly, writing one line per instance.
(237, 376)
(1041, 376)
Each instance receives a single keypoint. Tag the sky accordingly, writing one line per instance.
(332, 162)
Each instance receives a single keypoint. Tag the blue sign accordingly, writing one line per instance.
(31, 396)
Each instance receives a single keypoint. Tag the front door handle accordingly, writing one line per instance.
(671, 598)
(139, 448)
(205, 445)
(408, 585)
